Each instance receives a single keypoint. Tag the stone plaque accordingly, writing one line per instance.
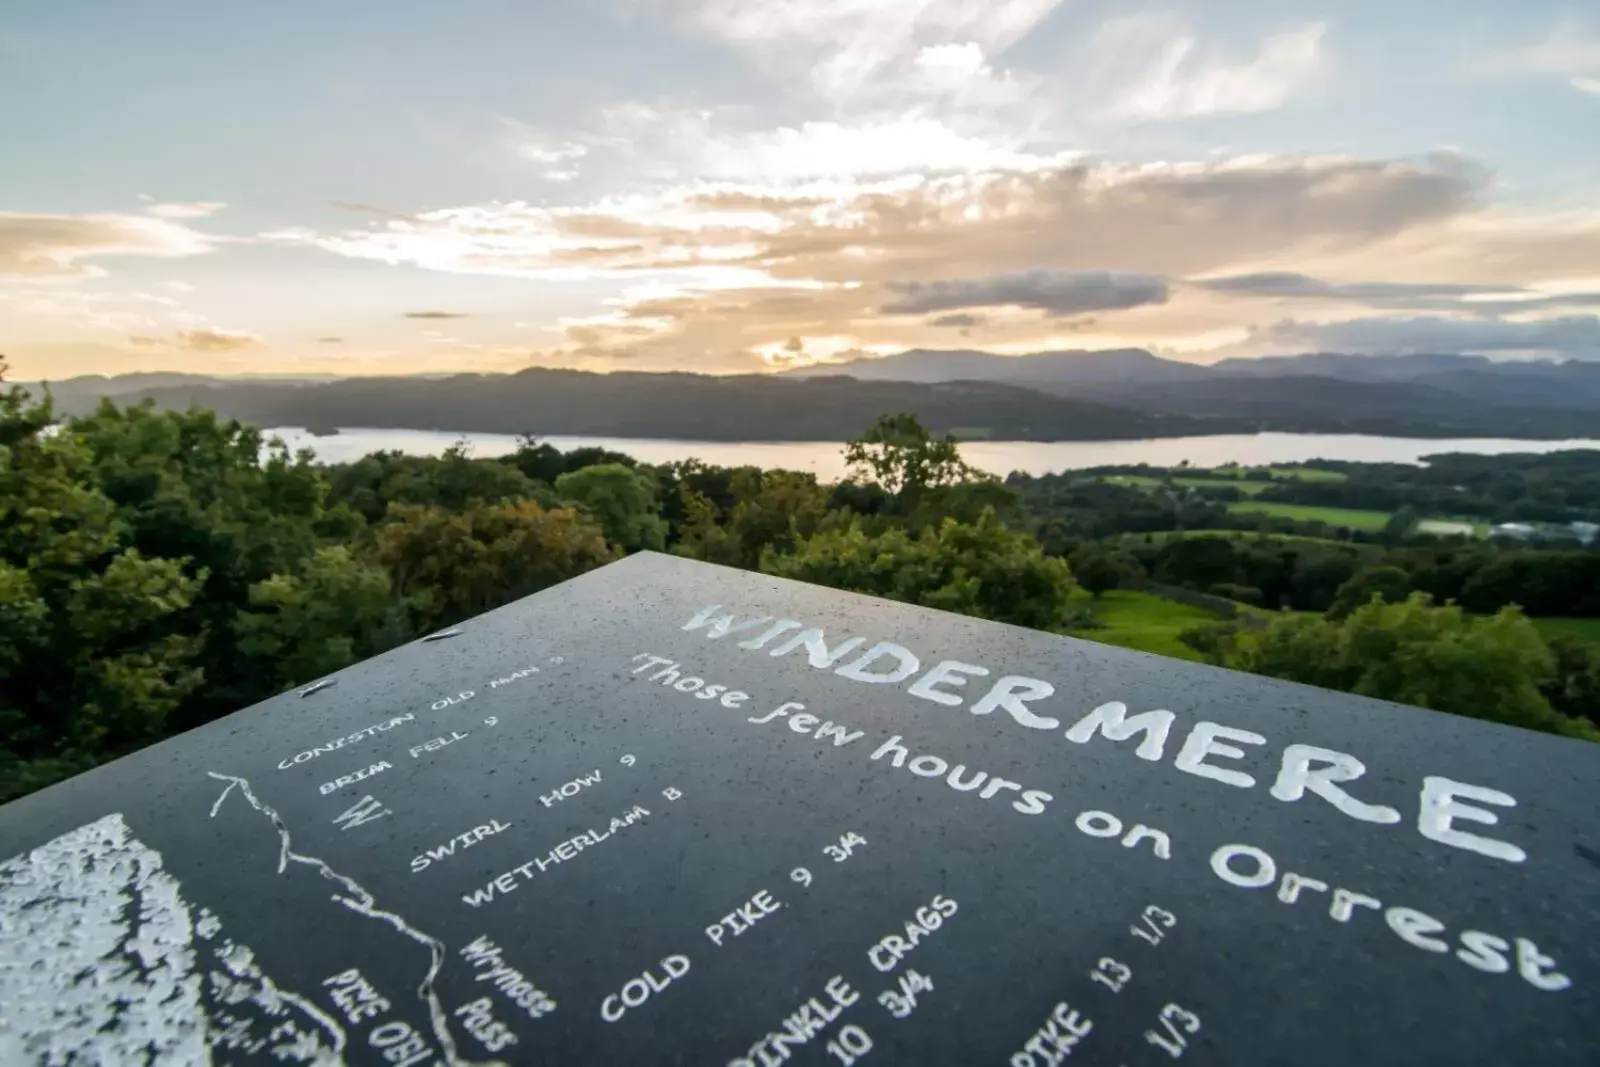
(673, 813)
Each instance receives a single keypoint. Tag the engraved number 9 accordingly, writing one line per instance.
(800, 876)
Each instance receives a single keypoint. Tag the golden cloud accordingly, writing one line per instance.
(55, 246)
(737, 270)
(199, 340)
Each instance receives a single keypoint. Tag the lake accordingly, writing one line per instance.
(826, 459)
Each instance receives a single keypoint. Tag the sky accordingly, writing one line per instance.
(738, 186)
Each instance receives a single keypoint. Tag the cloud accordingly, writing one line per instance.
(200, 340)
(56, 246)
(79, 310)
(330, 340)
(1156, 69)
(1572, 336)
(1571, 52)
(1052, 291)
(559, 156)
(552, 154)
(371, 209)
(1476, 299)
(435, 315)
(718, 270)
(960, 320)
(826, 149)
(850, 49)
(1171, 219)
(198, 209)
(666, 143)
(1284, 283)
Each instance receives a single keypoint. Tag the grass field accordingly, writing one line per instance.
(1253, 535)
(1145, 622)
(1587, 629)
(1303, 474)
(1351, 517)
(1248, 488)
(1141, 621)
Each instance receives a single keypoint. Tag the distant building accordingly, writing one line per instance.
(1582, 532)
(1516, 531)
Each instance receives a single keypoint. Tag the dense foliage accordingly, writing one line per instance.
(980, 569)
(159, 569)
(1411, 652)
(1302, 564)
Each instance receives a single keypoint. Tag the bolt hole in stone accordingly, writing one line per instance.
(442, 635)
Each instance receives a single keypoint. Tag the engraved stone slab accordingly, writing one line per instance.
(674, 813)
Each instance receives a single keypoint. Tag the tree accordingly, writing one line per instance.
(193, 488)
(453, 566)
(980, 569)
(93, 662)
(1317, 576)
(1387, 583)
(702, 536)
(1199, 562)
(622, 499)
(1243, 594)
(900, 454)
(329, 613)
(1400, 525)
(542, 462)
(1099, 568)
(1412, 652)
(1574, 686)
(765, 510)
(966, 501)
(452, 481)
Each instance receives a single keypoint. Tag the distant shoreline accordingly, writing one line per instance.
(1440, 435)
(826, 458)
(659, 406)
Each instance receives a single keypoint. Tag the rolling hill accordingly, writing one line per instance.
(684, 406)
(1119, 394)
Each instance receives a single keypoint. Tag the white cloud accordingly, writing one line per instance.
(848, 48)
(867, 150)
(197, 209)
(1570, 52)
(559, 156)
(559, 153)
(1155, 68)
(960, 79)
(662, 143)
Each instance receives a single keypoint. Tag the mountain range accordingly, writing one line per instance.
(1428, 394)
(1124, 393)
